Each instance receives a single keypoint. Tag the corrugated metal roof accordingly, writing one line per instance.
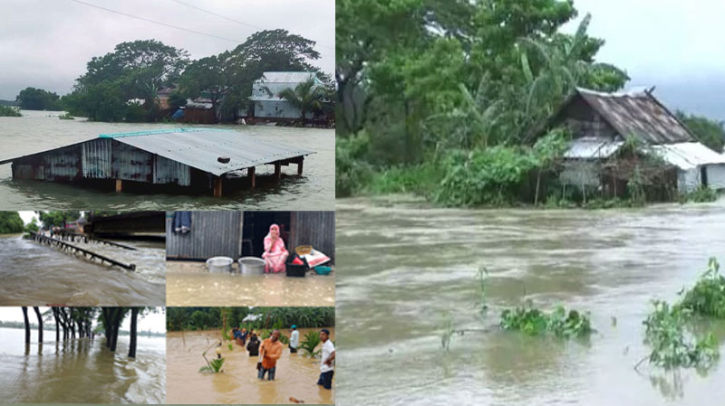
(200, 148)
(639, 114)
(592, 148)
(285, 77)
(688, 155)
(276, 82)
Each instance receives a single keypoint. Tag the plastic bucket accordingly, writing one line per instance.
(219, 264)
(251, 266)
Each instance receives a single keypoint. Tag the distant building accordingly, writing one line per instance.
(601, 123)
(265, 91)
(163, 95)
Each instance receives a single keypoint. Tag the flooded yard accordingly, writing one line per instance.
(80, 371)
(191, 284)
(392, 306)
(33, 273)
(315, 190)
(296, 375)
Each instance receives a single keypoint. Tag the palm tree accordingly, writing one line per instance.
(307, 96)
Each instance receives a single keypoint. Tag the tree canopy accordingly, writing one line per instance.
(10, 222)
(31, 98)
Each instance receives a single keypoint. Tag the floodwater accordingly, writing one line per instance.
(191, 284)
(80, 371)
(391, 306)
(40, 130)
(296, 375)
(33, 273)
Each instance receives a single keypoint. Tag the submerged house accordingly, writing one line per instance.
(604, 125)
(265, 91)
(193, 158)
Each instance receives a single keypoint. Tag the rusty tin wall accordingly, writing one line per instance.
(212, 234)
(316, 228)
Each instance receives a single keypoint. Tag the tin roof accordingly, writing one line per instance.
(592, 148)
(276, 82)
(637, 114)
(285, 77)
(688, 155)
(200, 148)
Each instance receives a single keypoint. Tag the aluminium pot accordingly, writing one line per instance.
(219, 264)
(251, 266)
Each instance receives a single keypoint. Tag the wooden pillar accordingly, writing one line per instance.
(299, 165)
(277, 171)
(119, 185)
(217, 186)
(252, 177)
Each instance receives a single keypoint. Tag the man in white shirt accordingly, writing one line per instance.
(328, 356)
(294, 340)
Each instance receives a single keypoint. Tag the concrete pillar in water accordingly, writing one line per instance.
(218, 186)
(252, 177)
(299, 165)
(277, 171)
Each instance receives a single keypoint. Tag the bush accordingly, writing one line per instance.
(532, 321)
(703, 194)
(66, 116)
(8, 111)
(311, 341)
(418, 179)
(352, 172)
(707, 297)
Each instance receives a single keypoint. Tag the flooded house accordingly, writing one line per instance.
(613, 132)
(192, 159)
(266, 102)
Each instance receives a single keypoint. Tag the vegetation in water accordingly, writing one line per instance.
(9, 111)
(66, 116)
(310, 342)
(672, 346)
(258, 318)
(31, 98)
(213, 366)
(707, 297)
(532, 321)
(703, 194)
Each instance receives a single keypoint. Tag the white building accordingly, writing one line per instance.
(265, 91)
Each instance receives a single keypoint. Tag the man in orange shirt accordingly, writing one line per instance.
(269, 353)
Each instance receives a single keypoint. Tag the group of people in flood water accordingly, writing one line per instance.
(271, 349)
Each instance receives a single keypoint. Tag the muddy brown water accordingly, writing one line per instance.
(80, 371)
(191, 284)
(33, 273)
(391, 306)
(41, 130)
(296, 374)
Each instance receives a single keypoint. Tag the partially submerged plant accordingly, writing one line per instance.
(482, 274)
(671, 346)
(707, 297)
(214, 366)
(532, 321)
(311, 341)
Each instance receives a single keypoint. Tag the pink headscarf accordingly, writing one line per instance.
(278, 245)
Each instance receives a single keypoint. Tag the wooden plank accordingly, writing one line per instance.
(252, 176)
(217, 186)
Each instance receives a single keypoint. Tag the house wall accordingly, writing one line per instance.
(277, 109)
(213, 233)
(62, 164)
(716, 176)
(688, 180)
(315, 228)
(580, 173)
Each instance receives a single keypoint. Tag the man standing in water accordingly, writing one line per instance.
(294, 340)
(328, 356)
(270, 351)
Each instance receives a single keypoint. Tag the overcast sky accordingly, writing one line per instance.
(47, 43)
(155, 322)
(677, 46)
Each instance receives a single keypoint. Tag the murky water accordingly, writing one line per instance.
(33, 273)
(36, 131)
(191, 284)
(80, 371)
(391, 305)
(296, 374)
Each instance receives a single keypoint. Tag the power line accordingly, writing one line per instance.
(233, 20)
(157, 22)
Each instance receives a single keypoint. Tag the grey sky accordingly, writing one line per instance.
(47, 43)
(156, 322)
(677, 46)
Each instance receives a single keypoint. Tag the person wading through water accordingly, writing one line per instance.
(294, 340)
(269, 353)
(327, 370)
(253, 346)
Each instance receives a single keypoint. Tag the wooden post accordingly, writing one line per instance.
(278, 171)
(119, 185)
(252, 177)
(218, 186)
(300, 161)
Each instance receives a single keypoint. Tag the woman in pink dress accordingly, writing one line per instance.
(275, 253)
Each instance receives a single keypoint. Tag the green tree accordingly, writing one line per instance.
(10, 222)
(212, 77)
(57, 218)
(32, 226)
(307, 96)
(31, 98)
(709, 132)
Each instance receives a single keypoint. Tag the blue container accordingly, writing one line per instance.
(323, 270)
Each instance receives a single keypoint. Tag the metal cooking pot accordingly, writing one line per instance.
(219, 264)
(251, 266)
